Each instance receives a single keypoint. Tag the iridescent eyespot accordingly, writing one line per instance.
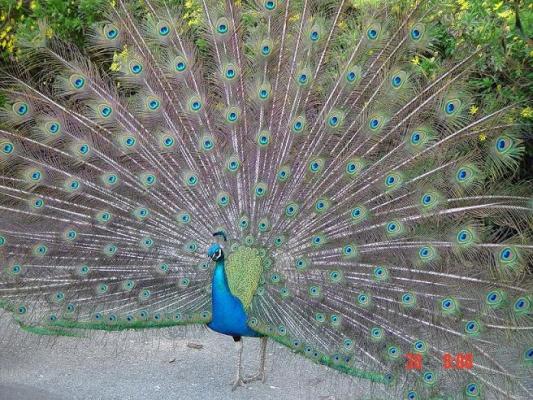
(394, 228)
(21, 108)
(522, 305)
(465, 237)
(232, 115)
(77, 81)
(472, 327)
(398, 79)
(233, 164)
(207, 142)
(279, 240)
(35, 175)
(263, 225)
(260, 189)
(37, 203)
(270, 5)
(230, 72)
(372, 32)
(314, 35)
(349, 251)
(420, 346)
(448, 305)
(222, 26)
(380, 273)
(316, 165)
(263, 138)
(53, 128)
(426, 253)
(223, 199)
(190, 179)
(110, 179)
(6, 147)
(464, 175)
(298, 124)
(376, 333)
(83, 270)
(393, 180)
(111, 31)
(153, 103)
(291, 210)
(163, 28)
(141, 213)
(503, 144)
(303, 78)
(135, 68)
(167, 141)
(180, 64)
(408, 299)
(71, 185)
(508, 255)
(452, 107)
(70, 234)
(283, 174)
(376, 122)
(105, 110)
(314, 291)
(363, 299)
(322, 205)
(429, 378)
(417, 31)
(83, 149)
(472, 390)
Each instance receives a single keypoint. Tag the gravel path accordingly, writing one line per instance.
(137, 365)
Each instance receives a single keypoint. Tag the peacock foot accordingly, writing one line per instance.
(259, 376)
(237, 382)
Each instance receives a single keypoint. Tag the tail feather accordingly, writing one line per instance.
(386, 215)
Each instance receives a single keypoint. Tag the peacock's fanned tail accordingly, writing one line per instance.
(386, 217)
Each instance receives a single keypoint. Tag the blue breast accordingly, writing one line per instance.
(229, 316)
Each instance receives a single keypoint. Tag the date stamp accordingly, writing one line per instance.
(414, 361)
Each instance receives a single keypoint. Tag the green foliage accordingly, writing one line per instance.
(502, 29)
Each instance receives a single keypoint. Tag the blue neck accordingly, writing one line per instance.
(229, 315)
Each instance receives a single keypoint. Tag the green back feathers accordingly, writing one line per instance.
(243, 271)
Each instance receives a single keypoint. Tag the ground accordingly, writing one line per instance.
(143, 366)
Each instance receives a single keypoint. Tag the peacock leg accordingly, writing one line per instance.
(260, 375)
(238, 378)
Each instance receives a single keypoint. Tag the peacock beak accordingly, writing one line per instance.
(216, 256)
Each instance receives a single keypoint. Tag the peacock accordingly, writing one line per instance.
(278, 170)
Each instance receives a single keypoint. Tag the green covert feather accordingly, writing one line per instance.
(243, 270)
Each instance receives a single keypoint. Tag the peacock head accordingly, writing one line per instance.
(215, 252)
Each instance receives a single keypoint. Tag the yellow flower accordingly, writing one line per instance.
(294, 18)
(49, 33)
(463, 4)
(527, 112)
(474, 109)
(342, 24)
(482, 137)
(33, 5)
(415, 60)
